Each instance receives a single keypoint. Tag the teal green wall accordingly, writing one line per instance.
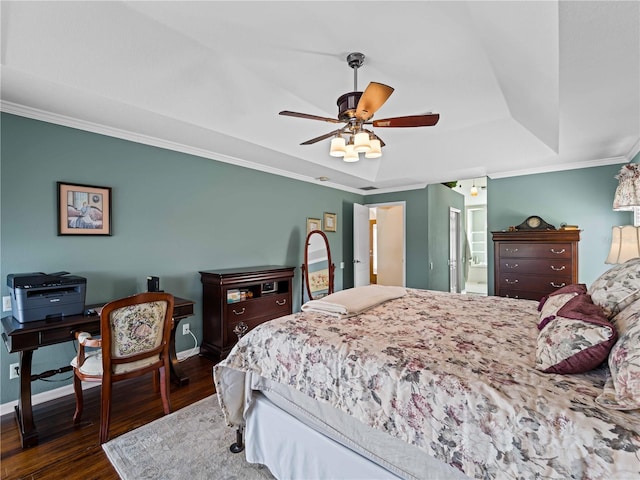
(173, 215)
(581, 197)
(416, 232)
(441, 198)
(427, 232)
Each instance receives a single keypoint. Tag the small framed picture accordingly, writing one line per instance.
(313, 224)
(330, 222)
(83, 209)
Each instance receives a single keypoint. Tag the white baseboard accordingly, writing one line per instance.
(68, 389)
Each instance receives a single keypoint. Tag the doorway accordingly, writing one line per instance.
(379, 244)
(475, 225)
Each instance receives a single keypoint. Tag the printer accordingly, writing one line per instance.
(40, 296)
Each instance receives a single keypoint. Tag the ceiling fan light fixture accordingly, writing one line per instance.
(350, 154)
(356, 109)
(376, 149)
(361, 142)
(337, 147)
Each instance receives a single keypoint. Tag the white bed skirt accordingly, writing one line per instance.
(292, 450)
(295, 445)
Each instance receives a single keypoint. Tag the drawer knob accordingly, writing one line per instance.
(283, 302)
(557, 252)
(240, 312)
(510, 282)
(511, 250)
(557, 269)
(553, 284)
(240, 329)
(515, 265)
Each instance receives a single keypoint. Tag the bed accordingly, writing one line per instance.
(429, 384)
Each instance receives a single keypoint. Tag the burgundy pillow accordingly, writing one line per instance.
(574, 288)
(577, 339)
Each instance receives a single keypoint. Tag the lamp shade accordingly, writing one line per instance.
(337, 147)
(625, 244)
(627, 195)
(350, 154)
(474, 191)
(376, 149)
(361, 142)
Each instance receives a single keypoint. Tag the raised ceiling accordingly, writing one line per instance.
(521, 87)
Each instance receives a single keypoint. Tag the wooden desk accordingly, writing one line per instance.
(25, 338)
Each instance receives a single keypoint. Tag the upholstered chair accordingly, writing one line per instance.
(134, 340)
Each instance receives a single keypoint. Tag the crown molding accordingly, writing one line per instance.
(54, 118)
(565, 167)
(42, 115)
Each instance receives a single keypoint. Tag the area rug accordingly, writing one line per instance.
(189, 444)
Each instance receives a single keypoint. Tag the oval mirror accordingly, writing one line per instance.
(317, 268)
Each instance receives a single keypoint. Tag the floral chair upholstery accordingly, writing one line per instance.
(134, 340)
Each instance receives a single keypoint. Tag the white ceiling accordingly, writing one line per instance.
(521, 86)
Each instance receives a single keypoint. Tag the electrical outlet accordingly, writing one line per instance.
(14, 370)
(185, 329)
(6, 303)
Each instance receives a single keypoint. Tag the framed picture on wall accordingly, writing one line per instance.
(330, 222)
(313, 224)
(83, 209)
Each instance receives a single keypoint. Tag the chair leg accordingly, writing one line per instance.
(77, 388)
(105, 413)
(165, 388)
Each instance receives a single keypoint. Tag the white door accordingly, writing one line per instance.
(390, 247)
(360, 245)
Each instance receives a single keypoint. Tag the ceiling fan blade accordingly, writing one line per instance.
(310, 117)
(428, 120)
(372, 99)
(322, 137)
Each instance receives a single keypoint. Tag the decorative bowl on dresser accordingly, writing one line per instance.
(235, 300)
(530, 264)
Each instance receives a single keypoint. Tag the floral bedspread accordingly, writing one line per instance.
(453, 375)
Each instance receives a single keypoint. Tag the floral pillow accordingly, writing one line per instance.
(626, 318)
(617, 288)
(550, 304)
(622, 390)
(575, 340)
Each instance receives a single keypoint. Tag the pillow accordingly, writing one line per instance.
(622, 390)
(576, 340)
(626, 318)
(550, 304)
(617, 288)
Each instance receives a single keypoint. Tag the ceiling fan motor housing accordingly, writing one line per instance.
(347, 105)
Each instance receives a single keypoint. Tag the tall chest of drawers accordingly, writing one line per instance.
(241, 298)
(532, 264)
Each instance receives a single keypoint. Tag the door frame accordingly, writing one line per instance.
(456, 240)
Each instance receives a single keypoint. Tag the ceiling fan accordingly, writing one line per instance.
(355, 110)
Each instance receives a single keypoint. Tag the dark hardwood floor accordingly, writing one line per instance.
(73, 452)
